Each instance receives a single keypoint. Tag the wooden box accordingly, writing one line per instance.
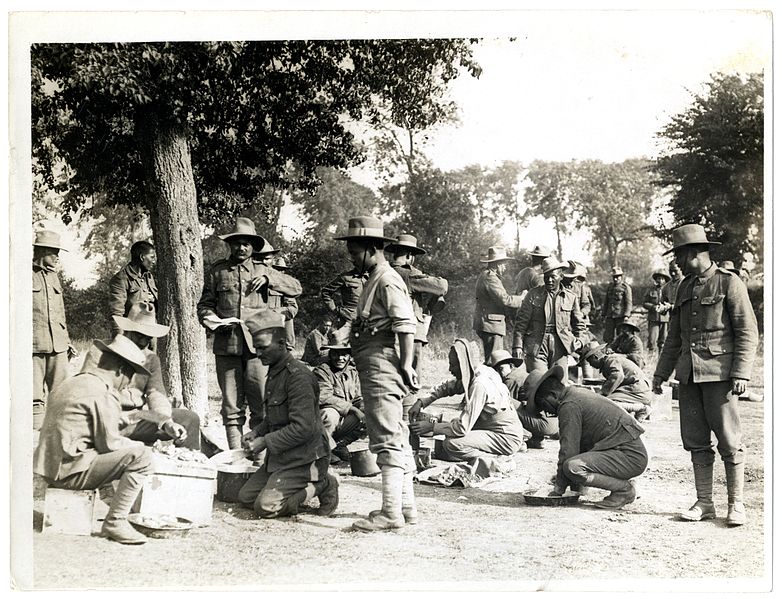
(178, 488)
(69, 512)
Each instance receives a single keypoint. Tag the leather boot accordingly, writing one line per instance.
(329, 496)
(409, 510)
(233, 434)
(116, 525)
(622, 491)
(734, 475)
(703, 508)
(390, 515)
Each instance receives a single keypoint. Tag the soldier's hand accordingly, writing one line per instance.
(174, 430)
(256, 283)
(72, 352)
(225, 329)
(422, 427)
(248, 438)
(518, 352)
(657, 385)
(410, 377)
(359, 414)
(257, 445)
(739, 386)
(557, 491)
(415, 409)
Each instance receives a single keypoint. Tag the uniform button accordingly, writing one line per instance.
(694, 297)
(694, 328)
(692, 344)
(695, 314)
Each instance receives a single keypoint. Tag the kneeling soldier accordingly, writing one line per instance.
(297, 451)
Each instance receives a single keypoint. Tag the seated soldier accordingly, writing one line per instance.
(599, 443)
(513, 375)
(80, 446)
(314, 353)
(629, 342)
(625, 383)
(295, 468)
(147, 413)
(488, 425)
(341, 405)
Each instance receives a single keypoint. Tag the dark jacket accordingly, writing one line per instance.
(50, 334)
(421, 287)
(130, 286)
(293, 428)
(590, 422)
(631, 346)
(527, 279)
(713, 333)
(340, 295)
(338, 390)
(532, 318)
(491, 302)
(622, 374)
(653, 298)
(618, 302)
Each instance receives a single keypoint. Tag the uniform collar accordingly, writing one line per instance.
(244, 264)
(707, 274)
(279, 366)
(37, 266)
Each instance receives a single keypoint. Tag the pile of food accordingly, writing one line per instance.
(168, 449)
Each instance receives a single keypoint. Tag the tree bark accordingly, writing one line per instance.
(177, 233)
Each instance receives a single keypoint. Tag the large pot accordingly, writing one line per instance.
(230, 479)
(363, 463)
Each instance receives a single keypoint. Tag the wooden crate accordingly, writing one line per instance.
(69, 512)
(177, 488)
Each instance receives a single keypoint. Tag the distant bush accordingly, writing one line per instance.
(86, 310)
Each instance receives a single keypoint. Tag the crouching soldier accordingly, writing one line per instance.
(80, 446)
(487, 426)
(295, 468)
(625, 383)
(629, 343)
(599, 443)
(341, 406)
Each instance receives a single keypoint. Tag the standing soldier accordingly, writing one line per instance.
(282, 304)
(656, 313)
(266, 254)
(424, 289)
(574, 279)
(340, 295)
(669, 289)
(492, 301)
(618, 303)
(51, 344)
(712, 343)
(133, 284)
(384, 321)
(532, 276)
(236, 287)
(549, 325)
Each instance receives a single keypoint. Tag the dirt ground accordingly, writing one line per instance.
(483, 538)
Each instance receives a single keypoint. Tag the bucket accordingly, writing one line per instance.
(230, 479)
(363, 463)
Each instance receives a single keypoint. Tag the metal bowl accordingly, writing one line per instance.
(144, 524)
(555, 501)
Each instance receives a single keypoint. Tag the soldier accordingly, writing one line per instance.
(314, 353)
(134, 283)
(385, 321)
(295, 467)
(340, 296)
(340, 401)
(625, 383)
(618, 303)
(282, 304)
(656, 313)
(266, 254)
(492, 301)
(549, 325)
(532, 276)
(712, 342)
(51, 345)
(237, 287)
(628, 342)
(425, 291)
(574, 279)
(513, 375)
(80, 446)
(599, 443)
(487, 426)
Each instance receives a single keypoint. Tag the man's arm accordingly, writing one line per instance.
(329, 291)
(118, 296)
(628, 300)
(326, 397)
(208, 303)
(569, 440)
(745, 329)
(614, 375)
(279, 281)
(475, 400)
(301, 393)
(523, 316)
(499, 294)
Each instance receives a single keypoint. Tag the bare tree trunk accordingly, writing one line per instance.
(559, 237)
(177, 233)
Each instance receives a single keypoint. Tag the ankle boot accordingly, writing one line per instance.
(233, 434)
(622, 491)
(329, 496)
(390, 515)
(409, 510)
(703, 508)
(734, 475)
(116, 525)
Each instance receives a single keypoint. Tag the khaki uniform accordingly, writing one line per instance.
(492, 301)
(313, 354)
(617, 306)
(339, 391)
(340, 295)
(527, 279)
(540, 425)
(658, 321)
(624, 381)
(130, 286)
(50, 339)
(631, 346)
(288, 307)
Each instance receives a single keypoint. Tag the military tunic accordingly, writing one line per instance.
(657, 320)
(527, 279)
(491, 303)
(339, 391)
(340, 295)
(130, 286)
(617, 306)
(631, 346)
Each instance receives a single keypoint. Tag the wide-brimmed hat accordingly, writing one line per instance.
(48, 239)
(467, 356)
(406, 243)
(141, 319)
(279, 263)
(364, 227)
(503, 356)
(496, 254)
(728, 265)
(552, 263)
(267, 248)
(689, 235)
(661, 273)
(244, 227)
(617, 271)
(337, 340)
(631, 324)
(591, 349)
(574, 270)
(540, 250)
(125, 349)
(534, 380)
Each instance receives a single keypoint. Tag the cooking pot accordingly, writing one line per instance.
(230, 479)
(363, 463)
